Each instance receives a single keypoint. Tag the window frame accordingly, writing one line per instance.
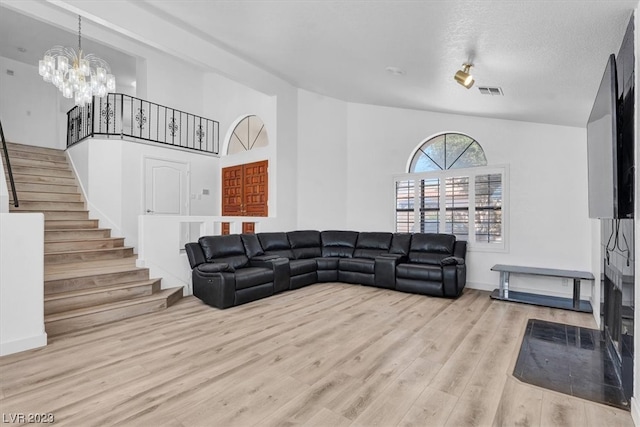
(442, 175)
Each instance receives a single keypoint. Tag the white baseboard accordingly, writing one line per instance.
(481, 286)
(23, 344)
(635, 411)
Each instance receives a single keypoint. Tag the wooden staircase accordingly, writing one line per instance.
(90, 278)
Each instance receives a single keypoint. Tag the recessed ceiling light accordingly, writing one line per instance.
(22, 50)
(396, 71)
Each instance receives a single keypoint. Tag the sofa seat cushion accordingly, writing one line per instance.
(423, 272)
(359, 265)
(252, 276)
(327, 263)
(302, 266)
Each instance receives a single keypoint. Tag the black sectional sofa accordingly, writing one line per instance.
(236, 269)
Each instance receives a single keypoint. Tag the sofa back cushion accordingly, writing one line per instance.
(370, 245)
(275, 243)
(229, 249)
(305, 244)
(400, 243)
(430, 248)
(338, 243)
(251, 245)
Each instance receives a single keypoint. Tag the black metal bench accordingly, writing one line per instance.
(503, 293)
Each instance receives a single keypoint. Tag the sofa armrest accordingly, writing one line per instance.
(265, 258)
(214, 267)
(454, 277)
(195, 254)
(215, 288)
(385, 270)
(452, 260)
(280, 267)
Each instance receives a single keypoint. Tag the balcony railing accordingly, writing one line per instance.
(127, 116)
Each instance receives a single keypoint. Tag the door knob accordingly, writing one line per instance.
(149, 211)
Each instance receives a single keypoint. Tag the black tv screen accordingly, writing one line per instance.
(602, 144)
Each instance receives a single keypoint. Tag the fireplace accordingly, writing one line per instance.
(617, 297)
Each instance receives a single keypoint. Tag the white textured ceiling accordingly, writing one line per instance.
(547, 56)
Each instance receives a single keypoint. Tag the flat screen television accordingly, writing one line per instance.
(602, 147)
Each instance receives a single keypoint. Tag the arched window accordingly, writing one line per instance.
(450, 189)
(448, 151)
(248, 134)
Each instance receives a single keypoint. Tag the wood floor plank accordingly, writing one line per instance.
(431, 408)
(520, 405)
(325, 355)
(559, 410)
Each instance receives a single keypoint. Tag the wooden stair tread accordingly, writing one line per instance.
(88, 250)
(32, 148)
(91, 271)
(67, 234)
(51, 196)
(66, 224)
(99, 289)
(97, 239)
(89, 265)
(160, 295)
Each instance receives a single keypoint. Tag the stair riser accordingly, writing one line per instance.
(95, 281)
(84, 244)
(30, 163)
(37, 171)
(50, 206)
(50, 224)
(30, 196)
(59, 158)
(46, 188)
(87, 256)
(64, 235)
(106, 297)
(38, 179)
(95, 319)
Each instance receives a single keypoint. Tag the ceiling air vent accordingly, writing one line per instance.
(486, 90)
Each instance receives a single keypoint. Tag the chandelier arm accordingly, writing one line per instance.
(76, 75)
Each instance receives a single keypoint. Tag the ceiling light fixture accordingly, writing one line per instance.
(77, 76)
(463, 77)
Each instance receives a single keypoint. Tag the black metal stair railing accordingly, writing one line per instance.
(9, 171)
(127, 116)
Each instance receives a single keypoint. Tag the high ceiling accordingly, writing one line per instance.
(547, 56)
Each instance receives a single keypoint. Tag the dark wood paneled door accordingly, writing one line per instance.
(245, 192)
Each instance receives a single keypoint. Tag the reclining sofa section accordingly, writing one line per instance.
(236, 269)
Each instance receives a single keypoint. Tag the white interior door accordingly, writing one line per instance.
(166, 187)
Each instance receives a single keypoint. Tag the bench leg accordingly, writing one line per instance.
(504, 284)
(576, 294)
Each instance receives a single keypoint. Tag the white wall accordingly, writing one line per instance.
(173, 83)
(28, 106)
(323, 164)
(549, 225)
(111, 173)
(21, 282)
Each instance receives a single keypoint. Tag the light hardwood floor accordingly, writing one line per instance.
(325, 355)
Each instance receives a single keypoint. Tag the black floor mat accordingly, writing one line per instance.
(571, 360)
